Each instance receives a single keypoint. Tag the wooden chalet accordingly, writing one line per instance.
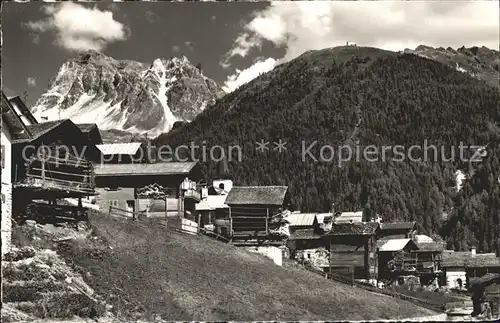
(48, 161)
(396, 258)
(486, 290)
(91, 131)
(352, 248)
(429, 258)
(305, 232)
(397, 230)
(119, 185)
(255, 212)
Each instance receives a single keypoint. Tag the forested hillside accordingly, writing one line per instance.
(360, 97)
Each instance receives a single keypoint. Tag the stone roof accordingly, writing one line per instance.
(263, 195)
(397, 225)
(356, 228)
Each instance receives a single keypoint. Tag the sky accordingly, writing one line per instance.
(233, 41)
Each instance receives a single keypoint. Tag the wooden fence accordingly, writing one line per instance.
(121, 213)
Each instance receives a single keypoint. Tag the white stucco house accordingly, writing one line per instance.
(453, 265)
(12, 123)
(6, 152)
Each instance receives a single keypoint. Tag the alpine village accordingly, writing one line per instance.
(108, 230)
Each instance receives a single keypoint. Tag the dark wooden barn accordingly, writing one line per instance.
(253, 209)
(396, 257)
(352, 249)
(64, 134)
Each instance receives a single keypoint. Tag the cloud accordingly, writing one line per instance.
(214, 17)
(189, 45)
(301, 26)
(80, 28)
(176, 48)
(31, 81)
(241, 77)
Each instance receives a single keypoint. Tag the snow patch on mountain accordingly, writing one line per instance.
(459, 177)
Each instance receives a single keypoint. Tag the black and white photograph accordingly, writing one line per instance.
(250, 161)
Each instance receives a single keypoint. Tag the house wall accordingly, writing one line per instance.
(157, 207)
(116, 198)
(241, 216)
(395, 234)
(273, 253)
(6, 226)
(452, 276)
(318, 257)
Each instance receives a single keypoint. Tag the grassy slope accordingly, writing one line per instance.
(150, 271)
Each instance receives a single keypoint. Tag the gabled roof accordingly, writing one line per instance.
(301, 219)
(304, 234)
(422, 238)
(350, 217)
(362, 228)
(119, 149)
(171, 168)
(397, 225)
(212, 202)
(39, 129)
(482, 260)
(454, 258)
(23, 109)
(397, 245)
(12, 120)
(431, 246)
(263, 195)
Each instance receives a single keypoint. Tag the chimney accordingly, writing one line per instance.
(473, 251)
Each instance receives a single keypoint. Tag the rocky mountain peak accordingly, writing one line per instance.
(127, 95)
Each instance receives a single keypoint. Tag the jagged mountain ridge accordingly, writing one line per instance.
(127, 95)
(480, 62)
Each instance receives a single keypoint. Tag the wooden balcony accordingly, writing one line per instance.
(69, 177)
